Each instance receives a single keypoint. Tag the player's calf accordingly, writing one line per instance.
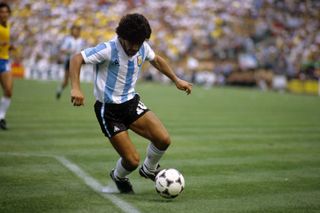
(163, 142)
(131, 162)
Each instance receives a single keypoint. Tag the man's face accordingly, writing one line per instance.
(4, 14)
(130, 48)
(76, 31)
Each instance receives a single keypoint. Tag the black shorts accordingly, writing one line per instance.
(115, 118)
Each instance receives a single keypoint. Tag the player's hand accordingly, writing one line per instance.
(77, 98)
(184, 85)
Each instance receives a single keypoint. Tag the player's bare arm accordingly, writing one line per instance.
(160, 64)
(77, 97)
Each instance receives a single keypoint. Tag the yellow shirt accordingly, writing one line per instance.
(4, 41)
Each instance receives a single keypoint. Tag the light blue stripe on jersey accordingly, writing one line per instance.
(113, 70)
(91, 51)
(128, 83)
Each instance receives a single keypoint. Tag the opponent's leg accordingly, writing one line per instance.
(63, 85)
(129, 161)
(6, 84)
(149, 126)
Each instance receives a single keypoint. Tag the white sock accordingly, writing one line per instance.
(153, 157)
(4, 105)
(120, 171)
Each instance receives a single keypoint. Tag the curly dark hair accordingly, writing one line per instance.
(3, 4)
(134, 28)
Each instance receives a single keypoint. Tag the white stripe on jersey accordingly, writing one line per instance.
(115, 73)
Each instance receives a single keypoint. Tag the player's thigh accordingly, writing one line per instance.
(6, 81)
(125, 148)
(149, 126)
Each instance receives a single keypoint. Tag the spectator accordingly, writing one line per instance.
(254, 31)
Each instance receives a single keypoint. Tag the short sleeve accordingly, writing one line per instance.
(97, 54)
(150, 55)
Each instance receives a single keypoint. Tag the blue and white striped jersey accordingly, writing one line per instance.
(72, 45)
(116, 73)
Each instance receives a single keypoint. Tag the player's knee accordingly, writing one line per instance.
(165, 142)
(132, 161)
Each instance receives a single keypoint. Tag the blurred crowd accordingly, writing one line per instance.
(247, 42)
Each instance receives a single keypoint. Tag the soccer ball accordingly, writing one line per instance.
(169, 183)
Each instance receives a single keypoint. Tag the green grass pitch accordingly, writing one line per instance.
(240, 150)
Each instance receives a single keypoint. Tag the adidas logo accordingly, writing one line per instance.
(116, 129)
(116, 62)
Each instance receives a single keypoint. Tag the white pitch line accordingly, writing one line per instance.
(27, 154)
(88, 180)
(96, 186)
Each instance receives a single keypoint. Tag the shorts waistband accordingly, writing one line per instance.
(122, 105)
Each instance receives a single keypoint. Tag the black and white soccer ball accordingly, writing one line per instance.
(169, 183)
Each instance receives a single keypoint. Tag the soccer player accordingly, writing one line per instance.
(72, 44)
(118, 107)
(5, 74)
